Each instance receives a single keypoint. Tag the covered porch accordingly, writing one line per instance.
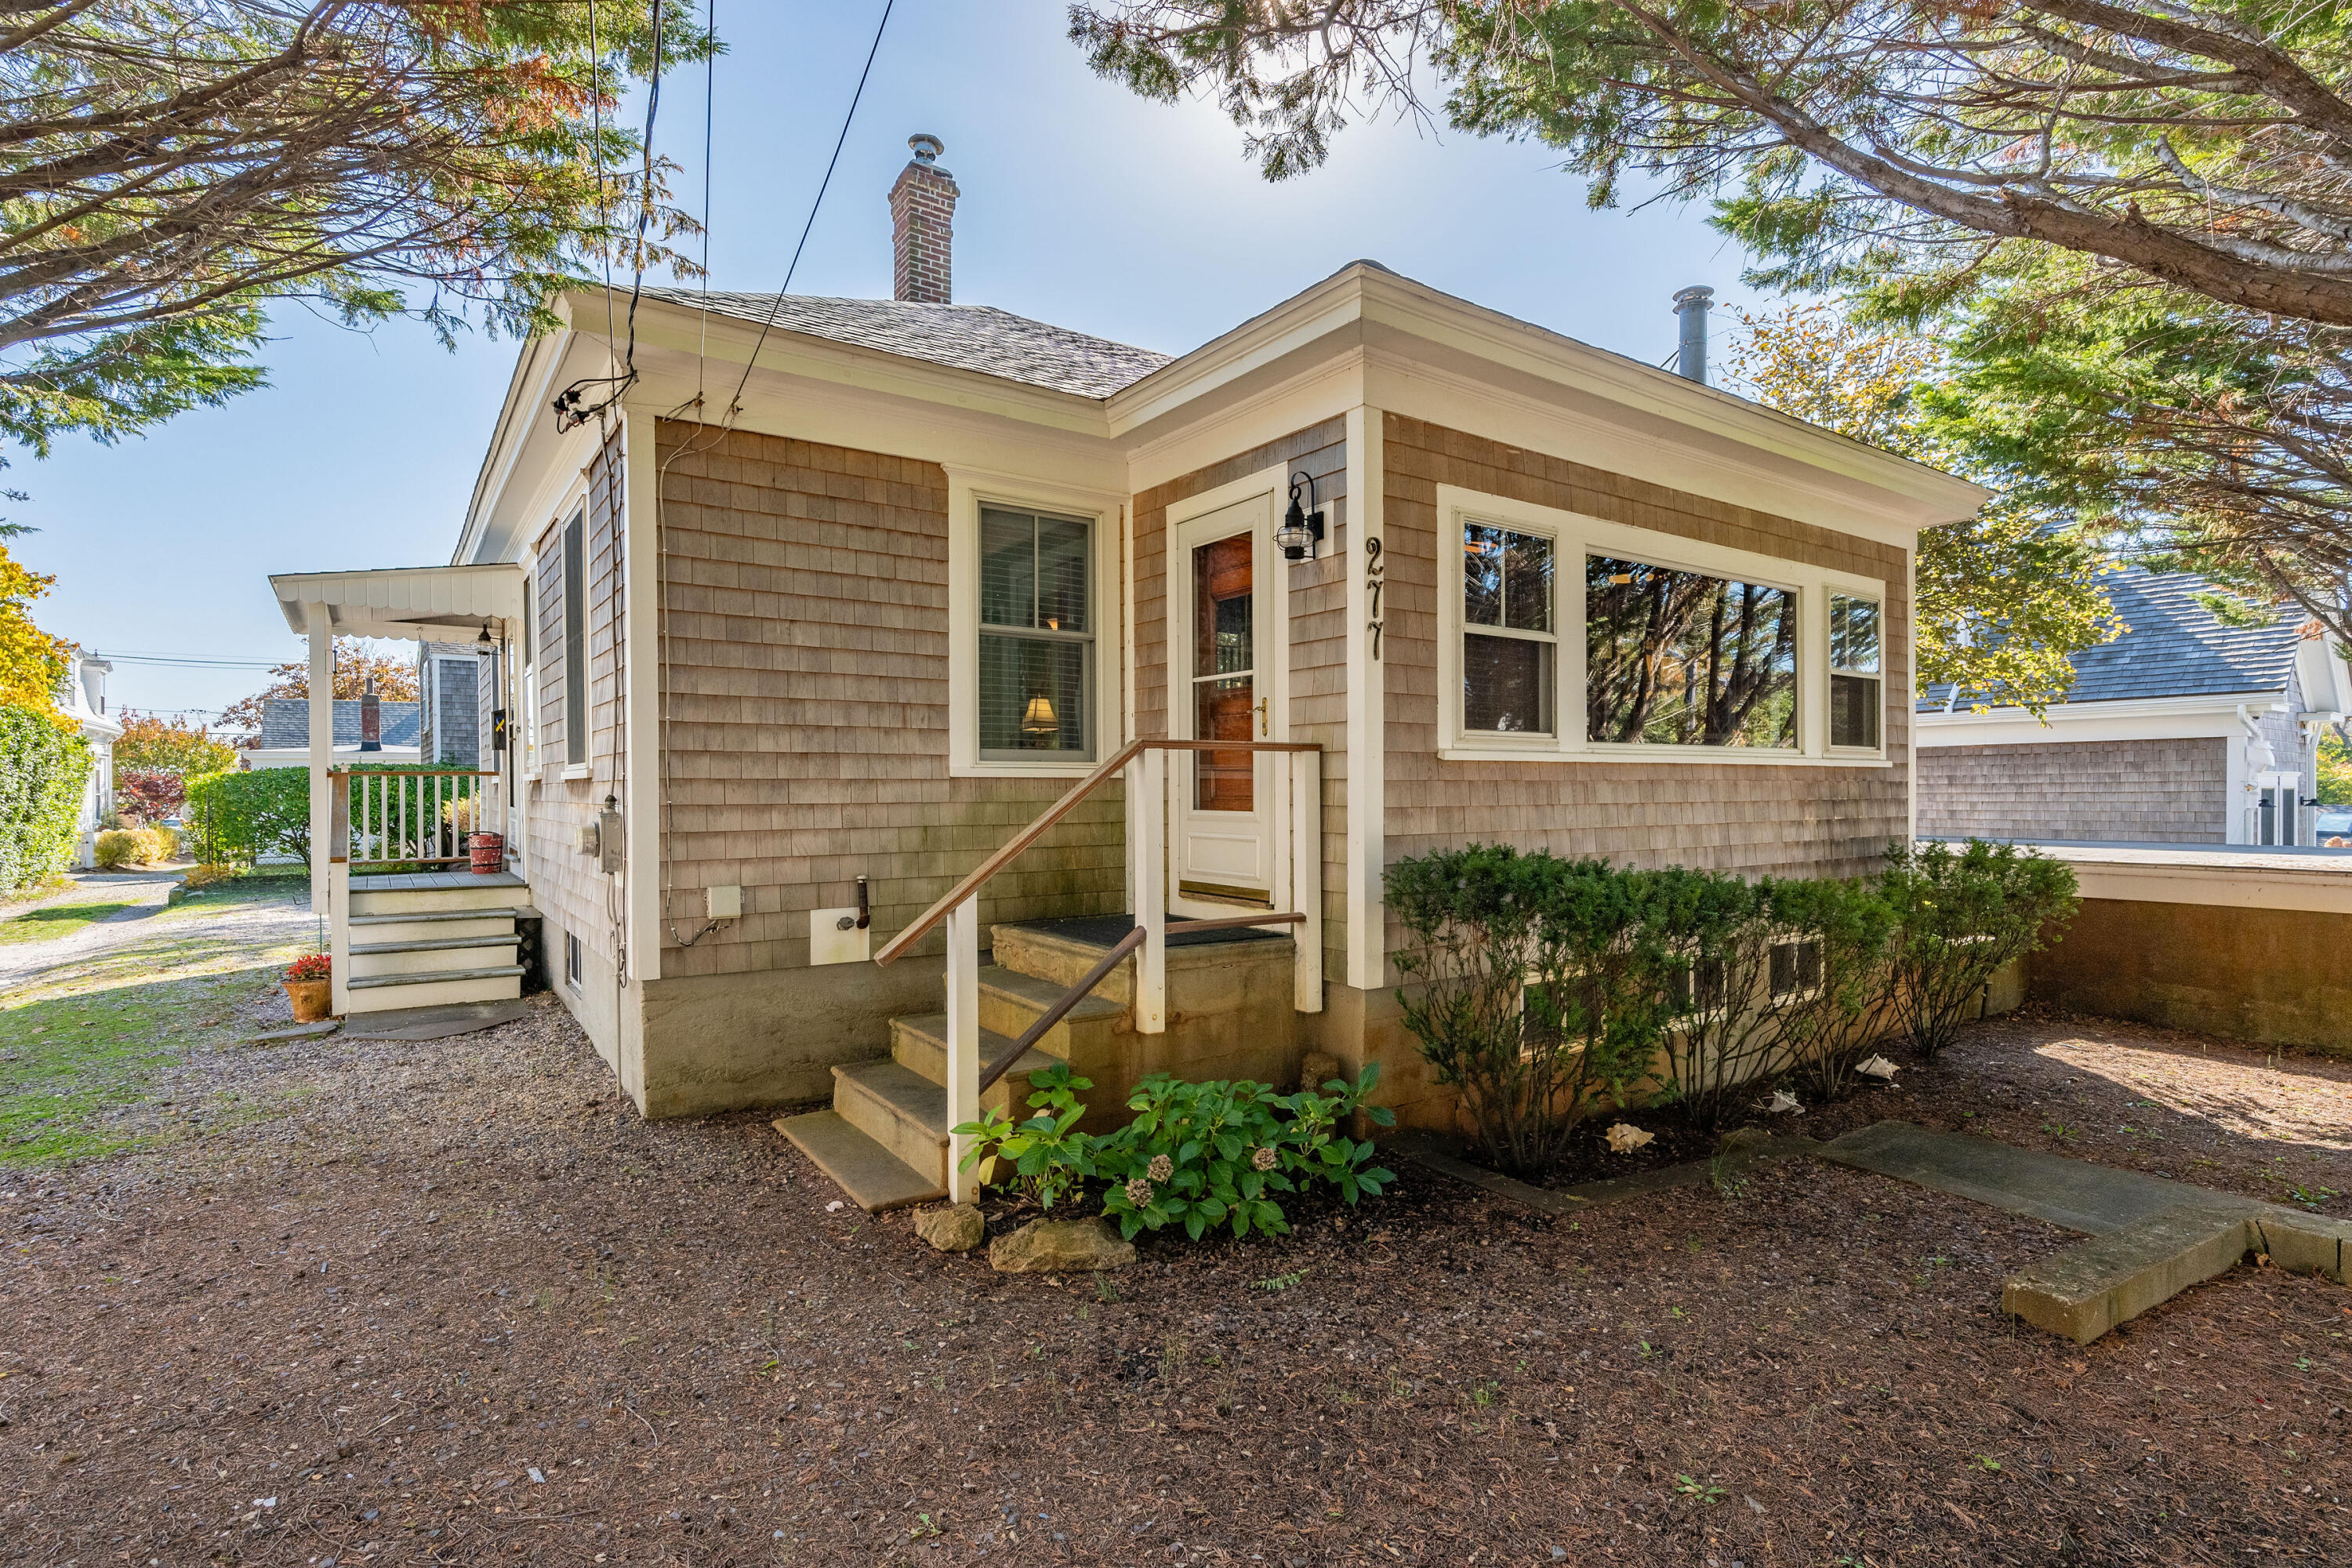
(410, 921)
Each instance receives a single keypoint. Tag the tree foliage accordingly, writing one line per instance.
(2207, 147)
(356, 663)
(2004, 599)
(32, 662)
(239, 817)
(150, 744)
(167, 170)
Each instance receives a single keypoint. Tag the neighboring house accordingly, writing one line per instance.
(284, 738)
(82, 695)
(454, 683)
(794, 675)
(2184, 731)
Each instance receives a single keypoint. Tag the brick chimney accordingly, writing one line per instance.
(922, 221)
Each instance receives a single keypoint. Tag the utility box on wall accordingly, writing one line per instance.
(835, 937)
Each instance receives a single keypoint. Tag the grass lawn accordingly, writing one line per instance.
(456, 1302)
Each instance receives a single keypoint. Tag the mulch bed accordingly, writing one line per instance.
(456, 1303)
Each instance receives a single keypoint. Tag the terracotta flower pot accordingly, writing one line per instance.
(490, 854)
(312, 999)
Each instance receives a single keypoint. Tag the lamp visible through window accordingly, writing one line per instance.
(1039, 727)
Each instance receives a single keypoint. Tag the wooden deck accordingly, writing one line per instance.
(430, 881)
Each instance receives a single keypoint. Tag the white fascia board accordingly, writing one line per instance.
(2220, 884)
(725, 343)
(779, 402)
(2149, 718)
(2327, 679)
(1589, 389)
(1243, 416)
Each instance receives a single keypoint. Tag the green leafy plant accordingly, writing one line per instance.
(43, 767)
(115, 850)
(1703, 1493)
(1048, 1156)
(1208, 1154)
(1960, 915)
(242, 817)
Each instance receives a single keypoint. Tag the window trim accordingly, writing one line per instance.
(1833, 669)
(573, 567)
(1575, 535)
(969, 490)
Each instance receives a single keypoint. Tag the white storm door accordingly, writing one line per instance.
(1225, 669)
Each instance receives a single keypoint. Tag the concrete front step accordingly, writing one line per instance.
(900, 1109)
(443, 988)
(379, 960)
(1011, 1001)
(872, 1178)
(920, 1044)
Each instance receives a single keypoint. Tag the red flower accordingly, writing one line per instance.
(310, 966)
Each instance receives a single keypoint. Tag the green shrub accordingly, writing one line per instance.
(1960, 915)
(163, 843)
(1836, 937)
(115, 848)
(42, 768)
(242, 817)
(1196, 1154)
(1531, 986)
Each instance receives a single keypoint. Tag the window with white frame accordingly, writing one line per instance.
(1855, 693)
(1036, 663)
(575, 640)
(1670, 645)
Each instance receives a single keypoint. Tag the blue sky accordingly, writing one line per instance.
(1081, 206)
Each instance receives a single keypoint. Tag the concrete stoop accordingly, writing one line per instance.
(2150, 1238)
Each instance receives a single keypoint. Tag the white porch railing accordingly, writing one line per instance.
(1297, 901)
(420, 817)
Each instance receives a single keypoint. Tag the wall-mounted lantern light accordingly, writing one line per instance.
(1302, 529)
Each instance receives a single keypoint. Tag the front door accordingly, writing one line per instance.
(1225, 661)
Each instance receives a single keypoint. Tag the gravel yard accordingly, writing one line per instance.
(454, 1303)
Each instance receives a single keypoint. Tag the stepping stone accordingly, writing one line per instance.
(433, 1023)
(2086, 1290)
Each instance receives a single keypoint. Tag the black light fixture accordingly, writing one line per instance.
(482, 648)
(1301, 530)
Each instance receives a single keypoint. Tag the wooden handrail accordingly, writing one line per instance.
(417, 773)
(896, 948)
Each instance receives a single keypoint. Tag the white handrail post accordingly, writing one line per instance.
(1151, 798)
(1306, 878)
(964, 1042)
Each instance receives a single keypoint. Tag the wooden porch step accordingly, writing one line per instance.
(870, 1175)
(435, 976)
(920, 1044)
(433, 945)
(524, 912)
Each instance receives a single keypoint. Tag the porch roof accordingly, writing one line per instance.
(417, 604)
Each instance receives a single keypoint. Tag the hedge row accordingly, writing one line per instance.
(42, 769)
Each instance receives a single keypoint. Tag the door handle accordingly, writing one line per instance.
(1263, 720)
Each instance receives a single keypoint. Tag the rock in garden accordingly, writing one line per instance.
(1059, 1246)
(1878, 1067)
(1624, 1138)
(952, 1227)
(1783, 1100)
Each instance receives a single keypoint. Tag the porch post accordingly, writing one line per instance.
(323, 750)
(963, 1043)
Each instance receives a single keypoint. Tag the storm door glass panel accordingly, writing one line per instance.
(1036, 634)
(1685, 658)
(1224, 683)
(1854, 674)
(1508, 645)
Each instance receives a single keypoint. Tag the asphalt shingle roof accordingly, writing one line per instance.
(2175, 647)
(968, 337)
(286, 721)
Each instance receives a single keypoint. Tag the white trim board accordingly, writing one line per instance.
(2149, 718)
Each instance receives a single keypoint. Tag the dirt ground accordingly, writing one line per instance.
(456, 1303)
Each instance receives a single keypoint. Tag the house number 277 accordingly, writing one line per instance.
(1374, 573)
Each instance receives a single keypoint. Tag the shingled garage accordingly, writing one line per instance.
(2187, 728)
(972, 691)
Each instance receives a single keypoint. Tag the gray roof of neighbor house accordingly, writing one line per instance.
(286, 721)
(2176, 647)
(967, 337)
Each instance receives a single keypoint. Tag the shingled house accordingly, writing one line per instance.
(975, 690)
(2185, 729)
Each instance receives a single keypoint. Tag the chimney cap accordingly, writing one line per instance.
(927, 147)
(1699, 294)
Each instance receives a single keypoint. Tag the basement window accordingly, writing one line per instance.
(572, 959)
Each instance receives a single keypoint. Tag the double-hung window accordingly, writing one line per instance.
(1855, 698)
(1036, 635)
(575, 640)
(1562, 636)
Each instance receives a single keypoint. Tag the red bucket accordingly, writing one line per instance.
(490, 854)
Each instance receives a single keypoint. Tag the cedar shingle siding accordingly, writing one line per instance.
(2160, 792)
(1752, 818)
(805, 624)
